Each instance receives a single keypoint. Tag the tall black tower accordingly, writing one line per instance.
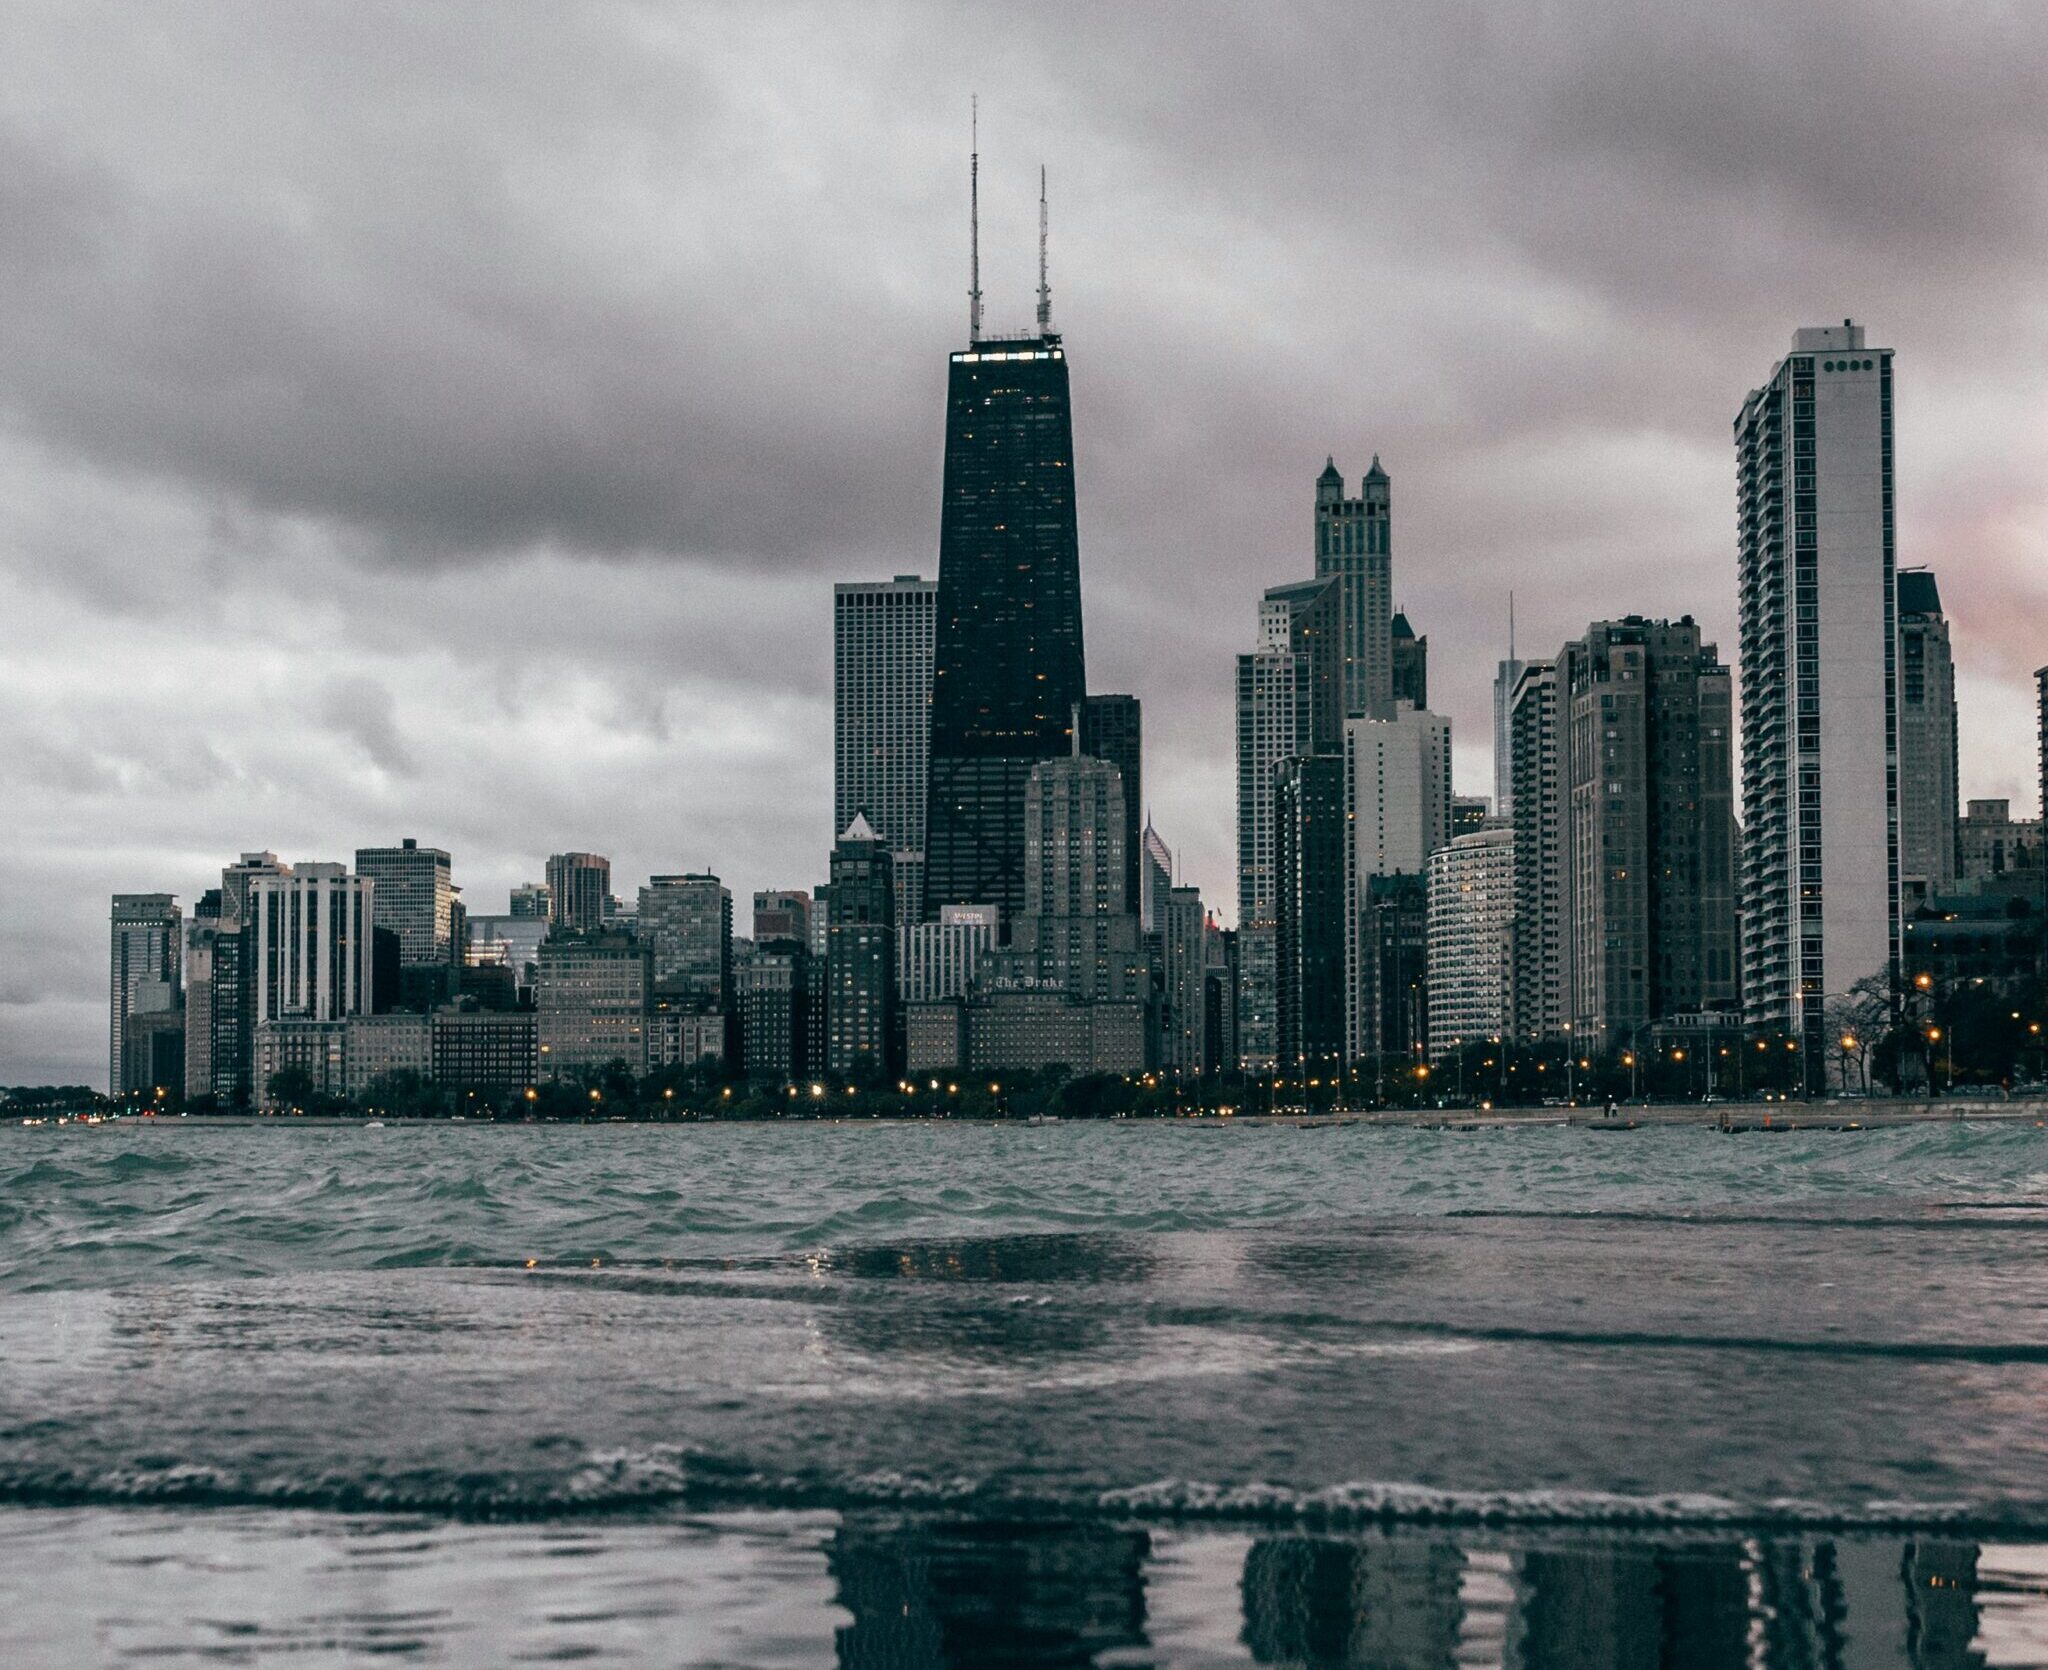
(1007, 665)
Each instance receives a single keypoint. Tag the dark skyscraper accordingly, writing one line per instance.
(1112, 728)
(1928, 803)
(1411, 662)
(578, 883)
(2041, 733)
(860, 955)
(1309, 829)
(1008, 660)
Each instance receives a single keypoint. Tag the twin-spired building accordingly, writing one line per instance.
(1820, 791)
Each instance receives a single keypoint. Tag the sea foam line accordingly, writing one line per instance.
(625, 1481)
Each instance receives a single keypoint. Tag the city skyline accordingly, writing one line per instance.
(499, 673)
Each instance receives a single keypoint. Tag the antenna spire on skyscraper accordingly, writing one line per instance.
(974, 219)
(1044, 289)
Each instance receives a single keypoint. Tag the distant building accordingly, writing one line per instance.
(860, 973)
(512, 942)
(1390, 973)
(153, 1053)
(1155, 879)
(1310, 942)
(1469, 813)
(415, 898)
(1026, 1031)
(783, 913)
(883, 638)
(1077, 931)
(1290, 697)
(943, 955)
(201, 935)
(1927, 742)
(1031, 1030)
(774, 1000)
(686, 1036)
(1541, 980)
(1647, 828)
(1007, 657)
(1968, 940)
(532, 899)
(935, 1036)
(1221, 984)
(1991, 842)
(1306, 617)
(2041, 731)
(579, 887)
(494, 1054)
(1506, 675)
(1820, 800)
(1411, 663)
(1397, 798)
(1074, 984)
(147, 946)
(233, 997)
(1398, 790)
(376, 1046)
(312, 939)
(1471, 939)
(1354, 546)
(1112, 728)
(592, 998)
(318, 1049)
(1183, 966)
(685, 922)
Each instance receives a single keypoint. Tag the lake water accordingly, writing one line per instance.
(1061, 1395)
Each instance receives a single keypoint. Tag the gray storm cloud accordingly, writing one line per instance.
(448, 421)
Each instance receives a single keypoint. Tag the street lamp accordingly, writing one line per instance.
(1934, 1036)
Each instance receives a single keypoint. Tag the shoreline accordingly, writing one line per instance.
(1735, 1118)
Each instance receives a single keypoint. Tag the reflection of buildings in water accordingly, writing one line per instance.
(1876, 1603)
(1315, 1600)
(1789, 1605)
(1941, 1605)
(1671, 1608)
(2011, 1603)
(935, 1595)
(931, 1594)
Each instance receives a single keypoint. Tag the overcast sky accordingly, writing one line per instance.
(449, 420)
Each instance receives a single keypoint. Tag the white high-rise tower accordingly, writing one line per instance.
(1820, 799)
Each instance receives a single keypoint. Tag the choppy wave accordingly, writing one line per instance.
(626, 1482)
(111, 1205)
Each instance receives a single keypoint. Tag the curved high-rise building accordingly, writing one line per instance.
(1007, 663)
